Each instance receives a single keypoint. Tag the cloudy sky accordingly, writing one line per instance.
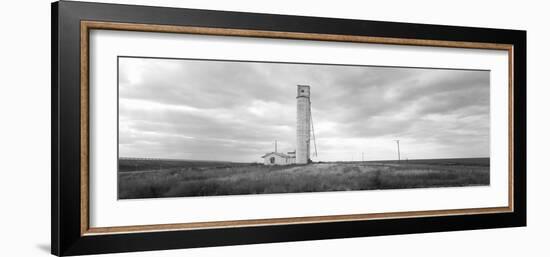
(234, 111)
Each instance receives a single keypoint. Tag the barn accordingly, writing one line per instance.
(275, 158)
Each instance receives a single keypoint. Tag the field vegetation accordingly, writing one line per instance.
(173, 178)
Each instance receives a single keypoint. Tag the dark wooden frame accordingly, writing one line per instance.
(71, 22)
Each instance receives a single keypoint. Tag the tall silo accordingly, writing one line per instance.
(303, 125)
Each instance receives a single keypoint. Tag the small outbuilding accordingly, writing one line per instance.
(275, 158)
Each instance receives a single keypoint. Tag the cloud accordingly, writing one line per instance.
(234, 111)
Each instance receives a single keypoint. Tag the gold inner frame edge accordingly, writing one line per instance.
(86, 26)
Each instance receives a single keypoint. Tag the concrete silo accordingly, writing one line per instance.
(303, 124)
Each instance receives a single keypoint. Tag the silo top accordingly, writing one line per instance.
(303, 91)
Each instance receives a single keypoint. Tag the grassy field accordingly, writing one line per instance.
(174, 178)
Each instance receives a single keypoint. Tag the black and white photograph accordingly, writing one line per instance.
(193, 127)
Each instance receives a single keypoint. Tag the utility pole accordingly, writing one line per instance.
(362, 156)
(275, 145)
(398, 152)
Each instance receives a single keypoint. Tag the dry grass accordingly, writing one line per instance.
(235, 179)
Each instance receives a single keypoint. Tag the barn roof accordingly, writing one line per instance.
(279, 154)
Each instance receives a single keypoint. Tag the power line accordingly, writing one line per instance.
(313, 132)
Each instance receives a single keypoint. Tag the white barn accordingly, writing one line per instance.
(275, 158)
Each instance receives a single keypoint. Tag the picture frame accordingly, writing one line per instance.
(72, 23)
